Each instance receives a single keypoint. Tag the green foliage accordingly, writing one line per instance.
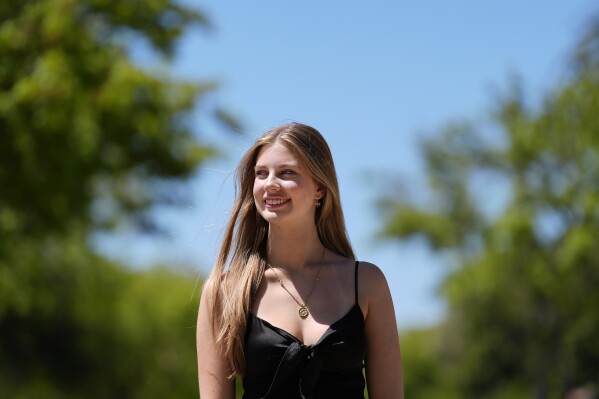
(80, 326)
(425, 365)
(80, 123)
(523, 317)
(89, 140)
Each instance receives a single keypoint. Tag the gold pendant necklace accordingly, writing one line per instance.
(303, 309)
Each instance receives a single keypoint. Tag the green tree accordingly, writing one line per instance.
(522, 295)
(425, 365)
(81, 326)
(88, 141)
(81, 123)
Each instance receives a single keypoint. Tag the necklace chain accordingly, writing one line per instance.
(303, 310)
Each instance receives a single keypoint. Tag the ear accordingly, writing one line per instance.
(320, 192)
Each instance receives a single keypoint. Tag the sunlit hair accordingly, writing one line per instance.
(241, 262)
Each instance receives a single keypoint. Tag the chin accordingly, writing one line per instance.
(273, 216)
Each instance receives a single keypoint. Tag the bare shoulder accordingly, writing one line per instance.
(371, 277)
(207, 293)
(211, 285)
(373, 286)
(208, 297)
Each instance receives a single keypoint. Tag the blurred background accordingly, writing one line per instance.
(466, 140)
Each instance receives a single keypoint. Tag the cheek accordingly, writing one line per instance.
(290, 185)
(257, 188)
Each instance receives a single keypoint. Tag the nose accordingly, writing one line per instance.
(272, 183)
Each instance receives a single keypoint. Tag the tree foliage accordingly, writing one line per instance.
(523, 302)
(80, 122)
(81, 326)
(90, 140)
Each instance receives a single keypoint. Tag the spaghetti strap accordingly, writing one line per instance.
(356, 280)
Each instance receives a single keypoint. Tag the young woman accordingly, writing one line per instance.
(287, 307)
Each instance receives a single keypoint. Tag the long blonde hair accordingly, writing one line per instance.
(241, 262)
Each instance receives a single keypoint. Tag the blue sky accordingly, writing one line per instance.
(374, 78)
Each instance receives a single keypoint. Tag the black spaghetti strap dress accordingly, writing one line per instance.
(279, 366)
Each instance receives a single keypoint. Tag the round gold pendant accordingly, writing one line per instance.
(303, 312)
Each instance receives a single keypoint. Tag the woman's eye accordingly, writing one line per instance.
(287, 172)
(260, 173)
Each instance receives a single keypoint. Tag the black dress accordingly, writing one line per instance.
(279, 366)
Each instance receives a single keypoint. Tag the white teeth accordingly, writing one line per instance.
(275, 201)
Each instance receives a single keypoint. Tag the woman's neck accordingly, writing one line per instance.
(293, 250)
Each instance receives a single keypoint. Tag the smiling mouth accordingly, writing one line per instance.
(274, 202)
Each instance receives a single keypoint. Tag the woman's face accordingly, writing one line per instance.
(283, 189)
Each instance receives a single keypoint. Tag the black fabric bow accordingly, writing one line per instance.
(297, 357)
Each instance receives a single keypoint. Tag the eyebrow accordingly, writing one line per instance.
(280, 166)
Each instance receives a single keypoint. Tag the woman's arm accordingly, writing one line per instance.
(213, 370)
(383, 358)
